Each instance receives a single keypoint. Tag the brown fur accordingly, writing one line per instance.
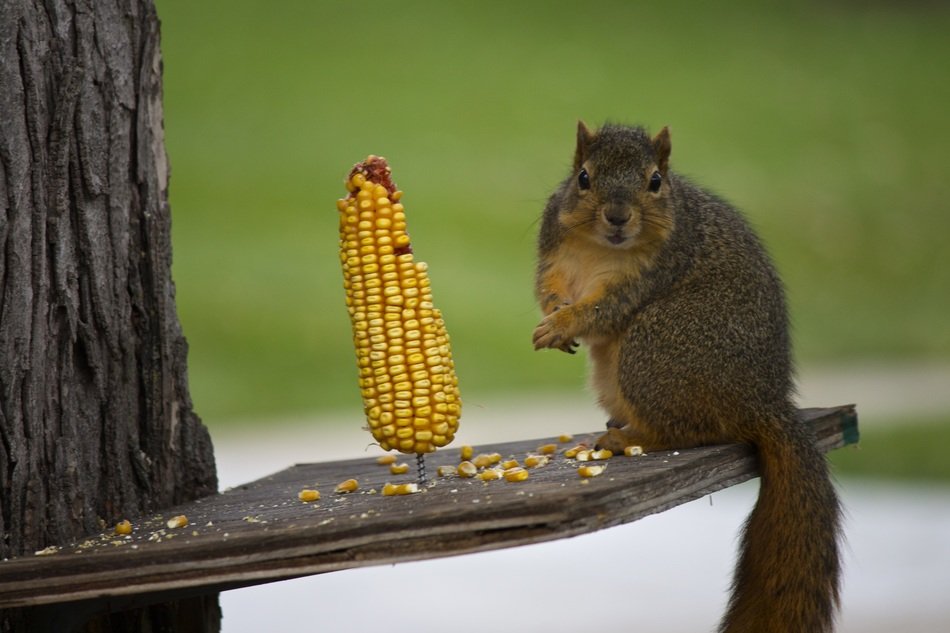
(685, 320)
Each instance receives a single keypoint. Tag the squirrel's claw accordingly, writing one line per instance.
(547, 334)
(569, 346)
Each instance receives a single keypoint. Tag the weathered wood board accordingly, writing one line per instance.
(260, 532)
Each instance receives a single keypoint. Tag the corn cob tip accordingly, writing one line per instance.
(374, 169)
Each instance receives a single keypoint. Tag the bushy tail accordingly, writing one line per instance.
(786, 579)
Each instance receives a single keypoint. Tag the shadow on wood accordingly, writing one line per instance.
(260, 532)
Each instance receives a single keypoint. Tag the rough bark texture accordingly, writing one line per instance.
(96, 422)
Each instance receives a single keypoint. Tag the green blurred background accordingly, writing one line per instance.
(826, 122)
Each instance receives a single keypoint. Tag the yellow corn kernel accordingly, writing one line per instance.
(179, 521)
(572, 452)
(516, 474)
(349, 485)
(484, 460)
(307, 495)
(466, 469)
(445, 471)
(385, 460)
(402, 349)
(536, 461)
(631, 451)
(466, 453)
(603, 453)
(583, 455)
(547, 449)
(590, 471)
(510, 463)
(123, 527)
(565, 438)
(399, 469)
(390, 490)
(490, 474)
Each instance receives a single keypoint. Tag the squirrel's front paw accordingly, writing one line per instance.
(549, 334)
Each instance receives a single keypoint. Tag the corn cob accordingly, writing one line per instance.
(407, 375)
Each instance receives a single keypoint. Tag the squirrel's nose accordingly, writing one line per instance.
(617, 217)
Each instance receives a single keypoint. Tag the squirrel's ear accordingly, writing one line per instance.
(662, 147)
(584, 137)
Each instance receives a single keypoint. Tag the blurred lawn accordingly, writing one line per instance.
(826, 122)
(912, 450)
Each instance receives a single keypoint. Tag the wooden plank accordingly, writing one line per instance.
(260, 532)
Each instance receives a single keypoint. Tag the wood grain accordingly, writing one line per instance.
(260, 532)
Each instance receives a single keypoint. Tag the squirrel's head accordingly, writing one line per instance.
(619, 191)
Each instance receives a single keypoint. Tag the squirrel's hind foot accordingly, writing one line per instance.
(614, 440)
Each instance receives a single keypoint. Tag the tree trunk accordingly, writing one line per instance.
(96, 422)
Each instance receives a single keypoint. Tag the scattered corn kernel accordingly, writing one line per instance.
(399, 469)
(572, 452)
(565, 438)
(179, 521)
(510, 463)
(547, 449)
(445, 471)
(307, 495)
(466, 453)
(407, 375)
(123, 527)
(590, 471)
(390, 490)
(490, 474)
(385, 460)
(601, 454)
(631, 451)
(466, 469)
(349, 485)
(516, 474)
(536, 461)
(485, 460)
(583, 455)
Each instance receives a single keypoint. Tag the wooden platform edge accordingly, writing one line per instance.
(418, 527)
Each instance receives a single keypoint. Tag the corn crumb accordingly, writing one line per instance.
(631, 451)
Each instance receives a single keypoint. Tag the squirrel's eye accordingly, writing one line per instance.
(655, 181)
(583, 179)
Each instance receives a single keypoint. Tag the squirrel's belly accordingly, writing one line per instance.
(604, 357)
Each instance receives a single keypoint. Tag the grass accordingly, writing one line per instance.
(825, 122)
(912, 451)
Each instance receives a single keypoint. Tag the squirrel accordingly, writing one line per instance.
(685, 321)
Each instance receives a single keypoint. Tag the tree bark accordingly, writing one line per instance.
(96, 421)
